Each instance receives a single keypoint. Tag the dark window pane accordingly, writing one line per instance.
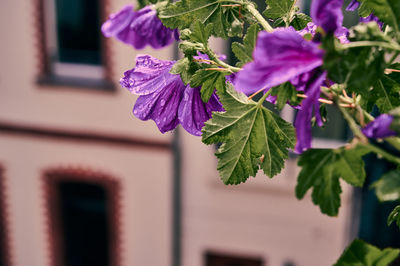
(335, 128)
(85, 229)
(224, 260)
(78, 31)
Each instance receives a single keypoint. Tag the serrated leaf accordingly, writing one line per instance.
(321, 170)
(244, 52)
(387, 11)
(348, 65)
(300, 21)
(394, 216)
(185, 68)
(387, 188)
(285, 93)
(253, 137)
(200, 33)
(181, 14)
(350, 166)
(278, 9)
(209, 81)
(360, 253)
(386, 94)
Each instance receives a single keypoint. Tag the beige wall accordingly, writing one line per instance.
(145, 196)
(22, 101)
(261, 218)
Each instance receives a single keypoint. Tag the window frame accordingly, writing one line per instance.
(51, 179)
(55, 73)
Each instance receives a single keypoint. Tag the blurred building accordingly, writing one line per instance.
(85, 183)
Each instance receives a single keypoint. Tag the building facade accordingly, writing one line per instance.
(83, 182)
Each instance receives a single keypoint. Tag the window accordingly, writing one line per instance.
(83, 218)
(213, 259)
(73, 51)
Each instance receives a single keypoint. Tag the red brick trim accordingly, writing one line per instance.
(51, 179)
(4, 222)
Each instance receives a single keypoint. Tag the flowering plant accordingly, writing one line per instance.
(286, 57)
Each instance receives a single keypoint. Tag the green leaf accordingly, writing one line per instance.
(360, 253)
(278, 9)
(244, 52)
(387, 188)
(386, 94)
(209, 80)
(285, 92)
(321, 170)
(387, 11)
(186, 68)
(394, 216)
(350, 166)
(200, 33)
(348, 65)
(253, 137)
(182, 14)
(300, 21)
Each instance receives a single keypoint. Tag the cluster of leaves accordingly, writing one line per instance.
(252, 137)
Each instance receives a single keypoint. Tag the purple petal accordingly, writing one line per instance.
(311, 28)
(371, 18)
(304, 116)
(193, 112)
(354, 4)
(160, 92)
(380, 127)
(149, 75)
(278, 57)
(161, 106)
(149, 27)
(342, 33)
(118, 21)
(327, 14)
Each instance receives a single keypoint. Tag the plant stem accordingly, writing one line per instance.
(353, 125)
(383, 153)
(392, 46)
(262, 99)
(250, 7)
(215, 58)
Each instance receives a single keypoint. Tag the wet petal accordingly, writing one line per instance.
(193, 112)
(149, 75)
(161, 106)
(278, 57)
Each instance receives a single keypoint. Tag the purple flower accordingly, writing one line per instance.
(193, 112)
(327, 14)
(165, 99)
(138, 28)
(371, 18)
(353, 7)
(380, 127)
(354, 4)
(278, 57)
(341, 33)
(305, 114)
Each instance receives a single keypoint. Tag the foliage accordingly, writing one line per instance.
(241, 129)
(360, 253)
(362, 75)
